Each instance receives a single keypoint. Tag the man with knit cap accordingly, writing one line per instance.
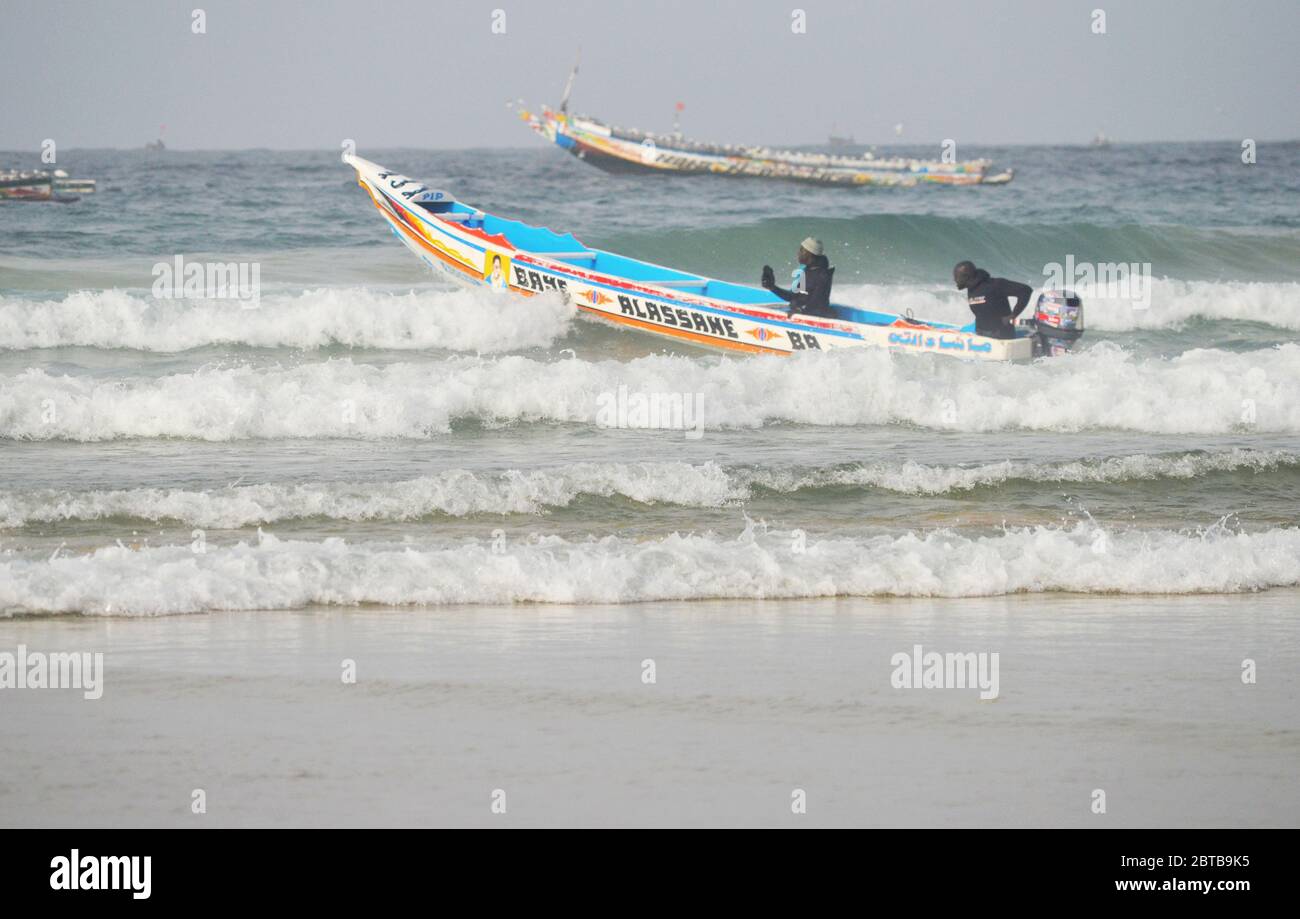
(810, 285)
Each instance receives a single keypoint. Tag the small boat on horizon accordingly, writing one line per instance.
(481, 249)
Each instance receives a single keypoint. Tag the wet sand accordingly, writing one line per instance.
(1140, 697)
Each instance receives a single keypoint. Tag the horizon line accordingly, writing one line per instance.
(504, 147)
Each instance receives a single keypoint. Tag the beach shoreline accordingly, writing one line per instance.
(751, 703)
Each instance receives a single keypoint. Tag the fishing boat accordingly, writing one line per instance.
(482, 249)
(25, 186)
(616, 149)
(41, 185)
(67, 185)
(34, 185)
(619, 150)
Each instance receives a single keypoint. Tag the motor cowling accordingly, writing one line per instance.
(1057, 322)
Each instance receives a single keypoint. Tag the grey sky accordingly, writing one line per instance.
(424, 73)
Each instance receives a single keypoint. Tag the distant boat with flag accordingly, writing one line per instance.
(157, 146)
(840, 140)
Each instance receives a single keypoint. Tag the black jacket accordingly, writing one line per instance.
(989, 300)
(815, 299)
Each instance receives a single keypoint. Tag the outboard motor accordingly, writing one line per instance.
(1057, 322)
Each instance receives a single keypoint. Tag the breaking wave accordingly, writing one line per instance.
(456, 320)
(286, 574)
(464, 493)
(478, 321)
(922, 479)
(922, 248)
(1201, 391)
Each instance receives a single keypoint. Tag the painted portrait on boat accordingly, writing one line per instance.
(496, 270)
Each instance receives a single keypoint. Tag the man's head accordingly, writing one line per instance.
(963, 274)
(809, 249)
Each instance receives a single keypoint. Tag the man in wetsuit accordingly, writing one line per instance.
(810, 286)
(989, 299)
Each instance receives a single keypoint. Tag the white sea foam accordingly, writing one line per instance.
(463, 492)
(1201, 391)
(1173, 303)
(479, 321)
(457, 320)
(276, 574)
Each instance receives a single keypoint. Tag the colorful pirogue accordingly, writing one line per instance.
(482, 249)
(625, 150)
(41, 185)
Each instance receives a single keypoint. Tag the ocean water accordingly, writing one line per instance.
(372, 439)
(367, 424)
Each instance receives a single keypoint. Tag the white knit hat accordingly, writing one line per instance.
(813, 245)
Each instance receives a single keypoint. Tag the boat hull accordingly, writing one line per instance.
(43, 186)
(470, 252)
(74, 186)
(26, 189)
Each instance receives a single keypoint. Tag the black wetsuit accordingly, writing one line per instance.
(989, 300)
(815, 298)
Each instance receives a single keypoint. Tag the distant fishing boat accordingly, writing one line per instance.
(616, 149)
(39, 185)
(481, 249)
(66, 185)
(157, 146)
(1100, 142)
(25, 186)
